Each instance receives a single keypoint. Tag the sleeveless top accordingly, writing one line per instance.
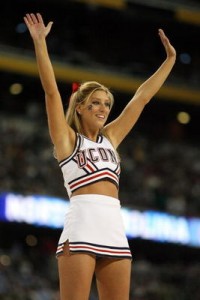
(90, 162)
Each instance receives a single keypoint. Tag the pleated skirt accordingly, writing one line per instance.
(94, 225)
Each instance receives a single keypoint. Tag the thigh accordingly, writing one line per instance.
(75, 275)
(113, 278)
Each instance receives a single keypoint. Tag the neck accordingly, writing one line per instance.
(91, 135)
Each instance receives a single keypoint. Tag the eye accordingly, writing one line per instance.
(108, 104)
(95, 102)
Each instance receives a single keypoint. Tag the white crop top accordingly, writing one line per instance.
(90, 162)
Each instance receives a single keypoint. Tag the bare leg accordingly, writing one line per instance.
(113, 278)
(75, 273)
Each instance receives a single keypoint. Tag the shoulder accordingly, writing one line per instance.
(106, 139)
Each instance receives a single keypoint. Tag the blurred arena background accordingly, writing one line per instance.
(115, 42)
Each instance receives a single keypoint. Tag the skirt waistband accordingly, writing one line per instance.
(96, 198)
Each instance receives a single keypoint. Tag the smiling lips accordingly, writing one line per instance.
(100, 116)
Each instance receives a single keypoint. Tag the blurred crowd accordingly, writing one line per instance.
(31, 274)
(162, 175)
(91, 36)
(157, 173)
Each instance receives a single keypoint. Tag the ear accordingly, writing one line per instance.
(78, 109)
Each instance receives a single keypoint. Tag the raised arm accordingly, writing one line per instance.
(62, 135)
(120, 127)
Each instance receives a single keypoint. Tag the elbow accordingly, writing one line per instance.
(51, 93)
(147, 99)
(146, 95)
(144, 98)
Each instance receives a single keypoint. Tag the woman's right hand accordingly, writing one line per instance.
(36, 26)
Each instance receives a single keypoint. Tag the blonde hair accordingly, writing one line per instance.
(81, 96)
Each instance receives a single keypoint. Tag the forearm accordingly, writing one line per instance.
(45, 68)
(152, 85)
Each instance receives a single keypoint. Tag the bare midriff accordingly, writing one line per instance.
(103, 187)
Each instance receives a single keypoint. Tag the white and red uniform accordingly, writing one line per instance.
(93, 222)
(90, 162)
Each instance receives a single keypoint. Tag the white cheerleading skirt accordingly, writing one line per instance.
(94, 225)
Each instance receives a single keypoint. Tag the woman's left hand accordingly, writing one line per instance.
(170, 50)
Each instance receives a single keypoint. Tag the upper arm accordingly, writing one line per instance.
(120, 127)
(62, 135)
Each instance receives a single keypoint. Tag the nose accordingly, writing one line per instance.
(103, 107)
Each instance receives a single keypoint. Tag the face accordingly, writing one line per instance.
(95, 112)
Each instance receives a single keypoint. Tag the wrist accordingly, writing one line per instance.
(171, 58)
(39, 41)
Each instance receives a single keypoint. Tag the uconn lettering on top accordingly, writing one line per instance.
(95, 155)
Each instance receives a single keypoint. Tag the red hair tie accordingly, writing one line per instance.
(75, 87)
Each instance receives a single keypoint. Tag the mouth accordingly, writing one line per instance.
(102, 117)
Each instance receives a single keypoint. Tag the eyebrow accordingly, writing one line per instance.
(97, 98)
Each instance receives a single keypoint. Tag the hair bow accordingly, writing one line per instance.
(75, 87)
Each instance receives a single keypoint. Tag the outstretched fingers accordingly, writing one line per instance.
(36, 26)
(166, 43)
(31, 19)
(163, 37)
(34, 18)
(27, 20)
(39, 17)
